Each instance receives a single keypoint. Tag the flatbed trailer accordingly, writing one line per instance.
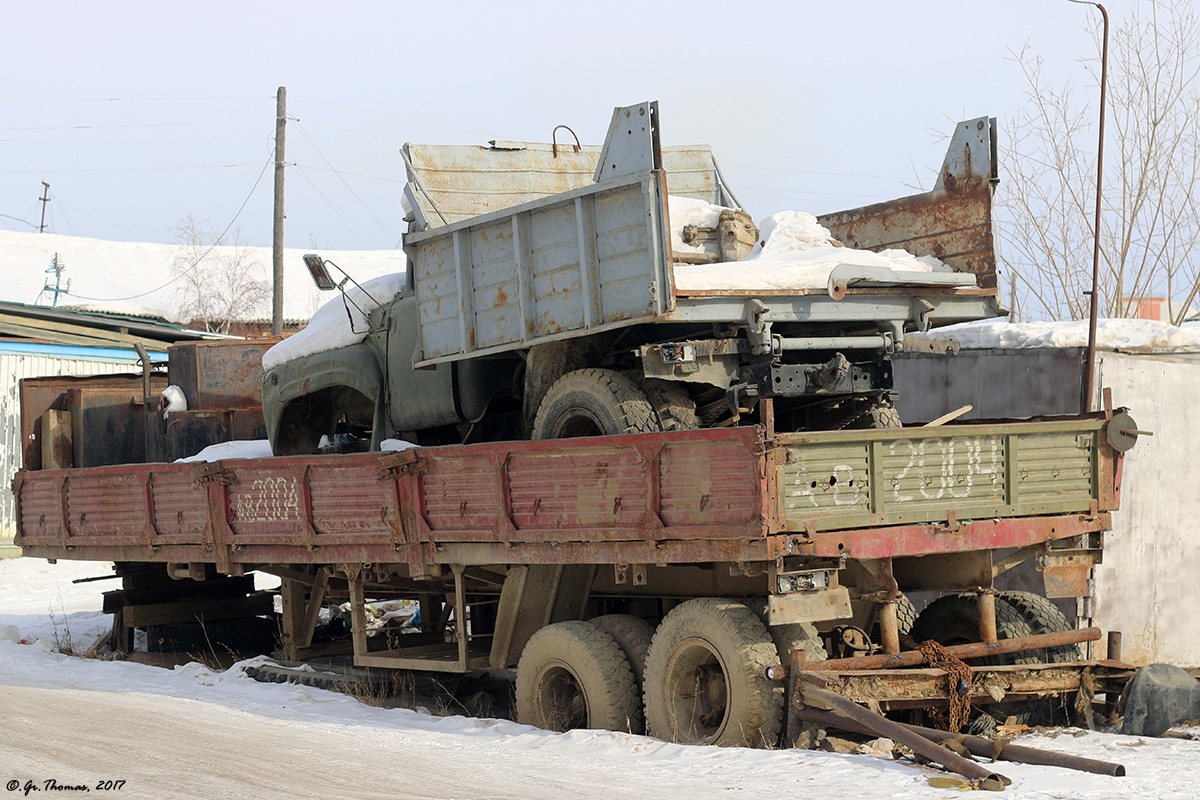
(609, 570)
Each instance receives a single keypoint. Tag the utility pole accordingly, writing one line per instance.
(277, 236)
(45, 198)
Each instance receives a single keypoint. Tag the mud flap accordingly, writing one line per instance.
(1159, 696)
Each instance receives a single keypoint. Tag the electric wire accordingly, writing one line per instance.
(129, 124)
(370, 211)
(183, 273)
(56, 170)
(337, 212)
(396, 119)
(18, 219)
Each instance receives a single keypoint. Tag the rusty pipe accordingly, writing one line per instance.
(987, 616)
(978, 745)
(881, 726)
(889, 627)
(915, 658)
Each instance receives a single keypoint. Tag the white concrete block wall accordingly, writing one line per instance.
(1148, 587)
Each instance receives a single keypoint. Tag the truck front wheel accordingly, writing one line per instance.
(593, 402)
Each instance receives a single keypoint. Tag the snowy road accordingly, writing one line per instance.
(194, 733)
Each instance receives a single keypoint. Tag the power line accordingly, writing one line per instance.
(348, 222)
(269, 162)
(353, 174)
(397, 119)
(135, 169)
(129, 124)
(349, 188)
(18, 219)
(130, 141)
(118, 99)
(817, 172)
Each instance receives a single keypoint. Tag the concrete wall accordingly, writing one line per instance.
(1149, 584)
(13, 367)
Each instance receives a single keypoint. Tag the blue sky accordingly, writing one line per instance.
(784, 92)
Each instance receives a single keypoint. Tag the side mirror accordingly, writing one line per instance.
(320, 276)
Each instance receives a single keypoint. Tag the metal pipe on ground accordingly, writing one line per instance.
(978, 745)
(823, 698)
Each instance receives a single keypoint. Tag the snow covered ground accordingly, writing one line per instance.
(194, 733)
(1111, 334)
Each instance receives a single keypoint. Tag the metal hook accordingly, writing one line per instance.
(554, 141)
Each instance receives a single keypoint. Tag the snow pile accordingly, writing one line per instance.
(339, 323)
(794, 251)
(136, 277)
(1111, 334)
(685, 211)
(252, 448)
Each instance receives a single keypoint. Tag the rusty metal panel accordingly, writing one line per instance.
(464, 181)
(953, 222)
(219, 375)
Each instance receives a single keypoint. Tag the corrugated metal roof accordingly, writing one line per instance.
(91, 328)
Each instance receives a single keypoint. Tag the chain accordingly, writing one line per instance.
(960, 676)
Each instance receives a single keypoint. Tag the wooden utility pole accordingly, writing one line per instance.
(45, 198)
(277, 237)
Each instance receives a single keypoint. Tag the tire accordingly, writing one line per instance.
(633, 636)
(881, 415)
(906, 617)
(705, 677)
(593, 402)
(574, 675)
(1043, 616)
(954, 619)
(791, 636)
(674, 408)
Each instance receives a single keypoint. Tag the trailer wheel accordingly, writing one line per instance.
(574, 675)
(705, 677)
(593, 402)
(673, 406)
(633, 636)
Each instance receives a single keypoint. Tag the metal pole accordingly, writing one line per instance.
(1089, 374)
(45, 198)
(277, 232)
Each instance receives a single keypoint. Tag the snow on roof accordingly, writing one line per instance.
(1111, 334)
(133, 277)
(338, 323)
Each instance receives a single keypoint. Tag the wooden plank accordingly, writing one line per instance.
(57, 448)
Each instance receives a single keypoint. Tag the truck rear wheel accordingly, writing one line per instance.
(574, 675)
(705, 677)
(593, 402)
(633, 636)
(675, 409)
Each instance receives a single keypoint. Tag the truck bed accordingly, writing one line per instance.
(730, 495)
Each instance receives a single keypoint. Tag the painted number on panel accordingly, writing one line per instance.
(947, 467)
(841, 485)
(269, 500)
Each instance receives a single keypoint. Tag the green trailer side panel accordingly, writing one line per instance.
(853, 479)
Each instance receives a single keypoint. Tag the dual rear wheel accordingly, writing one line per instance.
(700, 678)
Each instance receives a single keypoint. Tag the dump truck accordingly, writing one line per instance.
(549, 293)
